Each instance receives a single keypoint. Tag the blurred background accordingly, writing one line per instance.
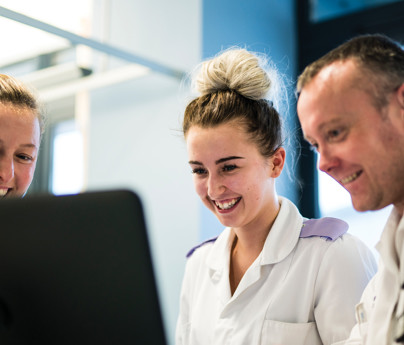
(111, 77)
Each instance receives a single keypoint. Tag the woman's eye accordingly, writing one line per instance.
(198, 171)
(229, 167)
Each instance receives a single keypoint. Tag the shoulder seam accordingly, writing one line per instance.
(200, 245)
(327, 227)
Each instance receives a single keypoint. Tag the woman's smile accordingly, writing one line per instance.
(228, 204)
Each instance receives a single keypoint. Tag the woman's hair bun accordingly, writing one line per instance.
(237, 70)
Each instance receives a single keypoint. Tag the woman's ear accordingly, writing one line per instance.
(277, 162)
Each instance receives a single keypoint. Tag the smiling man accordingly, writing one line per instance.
(351, 109)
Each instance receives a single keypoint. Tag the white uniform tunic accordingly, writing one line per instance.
(380, 314)
(297, 291)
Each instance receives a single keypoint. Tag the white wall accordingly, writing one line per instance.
(134, 139)
(168, 32)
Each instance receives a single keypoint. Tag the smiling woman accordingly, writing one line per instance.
(21, 126)
(272, 276)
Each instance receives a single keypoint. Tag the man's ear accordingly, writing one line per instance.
(400, 96)
(400, 100)
(278, 161)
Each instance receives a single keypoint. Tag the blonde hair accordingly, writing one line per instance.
(15, 93)
(236, 70)
(236, 86)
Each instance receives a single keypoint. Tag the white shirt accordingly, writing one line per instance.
(382, 303)
(297, 291)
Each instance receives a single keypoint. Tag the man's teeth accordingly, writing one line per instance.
(226, 205)
(3, 192)
(349, 178)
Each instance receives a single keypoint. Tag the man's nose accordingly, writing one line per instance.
(327, 160)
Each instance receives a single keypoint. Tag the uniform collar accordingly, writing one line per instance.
(387, 246)
(219, 256)
(280, 241)
(284, 233)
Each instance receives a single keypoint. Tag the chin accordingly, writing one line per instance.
(361, 209)
(227, 223)
(224, 223)
(359, 205)
(368, 205)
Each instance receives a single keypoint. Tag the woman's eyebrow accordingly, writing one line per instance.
(221, 160)
(225, 159)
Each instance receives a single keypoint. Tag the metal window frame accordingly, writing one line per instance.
(92, 43)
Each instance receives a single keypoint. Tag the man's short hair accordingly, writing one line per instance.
(380, 58)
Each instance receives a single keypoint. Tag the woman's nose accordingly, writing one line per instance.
(6, 169)
(215, 186)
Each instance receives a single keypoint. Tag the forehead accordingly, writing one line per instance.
(219, 140)
(339, 74)
(20, 113)
(19, 123)
(222, 133)
(330, 95)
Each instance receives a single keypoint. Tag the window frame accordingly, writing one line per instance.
(55, 112)
(314, 40)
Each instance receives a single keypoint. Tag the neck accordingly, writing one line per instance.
(252, 236)
(248, 243)
(400, 209)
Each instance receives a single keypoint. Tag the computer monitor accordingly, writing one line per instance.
(77, 270)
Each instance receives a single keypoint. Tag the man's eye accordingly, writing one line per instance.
(229, 167)
(198, 171)
(25, 158)
(336, 134)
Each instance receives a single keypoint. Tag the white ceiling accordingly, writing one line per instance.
(19, 41)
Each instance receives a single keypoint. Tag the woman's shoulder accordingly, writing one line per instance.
(328, 228)
(205, 245)
(332, 235)
(327, 244)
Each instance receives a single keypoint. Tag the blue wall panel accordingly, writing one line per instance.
(265, 26)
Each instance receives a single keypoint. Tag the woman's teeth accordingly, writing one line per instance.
(3, 192)
(226, 205)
